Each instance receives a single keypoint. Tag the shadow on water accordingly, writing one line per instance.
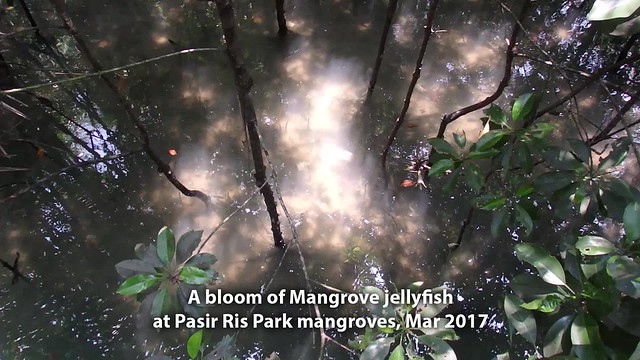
(308, 88)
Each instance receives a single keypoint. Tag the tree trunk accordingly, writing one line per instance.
(391, 10)
(282, 21)
(243, 85)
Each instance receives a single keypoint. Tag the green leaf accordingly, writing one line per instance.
(616, 156)
(547, 304)
(627, 28)
(623, 268)
(524, 218)
(274, 356)
(540, 130)
(486, 154)
(524, 190)
(620, 188)
(440, 350)
(202, 261)
(594, 245)
(473, 176)
(591, 269)
(378, 349)
(521, 319)
(554, 180)
(162, 303)
(614, 204)
(549, 267)
(496, 115)
(137, 284)
(461, 140)
(441, 167)
(363, 340)
(499, 221)
(194, 343)
(194, 276)
(490, 139)
(441, 332)
(631, 220)
(166, 245)
(505, 159)
(397, 353)
(502, 356)
(494, 203)
(612, 9)
(627, 316)
(552, 344)
(441, 146)
(148, 254)
(525, 106)
(187, 244)
(636, 353)
(524, 158)
(452, 180)
(585, 337)
(581, 149)
(560, 159)
(129, 268)
(529, 286)
(626, 273)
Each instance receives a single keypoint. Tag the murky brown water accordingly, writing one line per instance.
(352, 230)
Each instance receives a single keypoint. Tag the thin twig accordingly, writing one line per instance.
(578, 72)
(228, 218)
(590, 80)
(296, 242)
(107, 71)
(634, 123)
(17, 275)
(605, 131)
(630, 135)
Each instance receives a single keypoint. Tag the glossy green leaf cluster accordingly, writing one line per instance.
(167, 272)
(403, 342)
(592, 288)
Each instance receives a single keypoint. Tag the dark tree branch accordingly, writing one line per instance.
(163, 167)
(627, 46)
(414, 80)
(578, 72)
(590, 80)
(32, 21)
(244, 83)
(605, 132)
(17, 275)
(391, 10)
(510, 54)
(467, 220)
(634, 123)
(282, 21)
